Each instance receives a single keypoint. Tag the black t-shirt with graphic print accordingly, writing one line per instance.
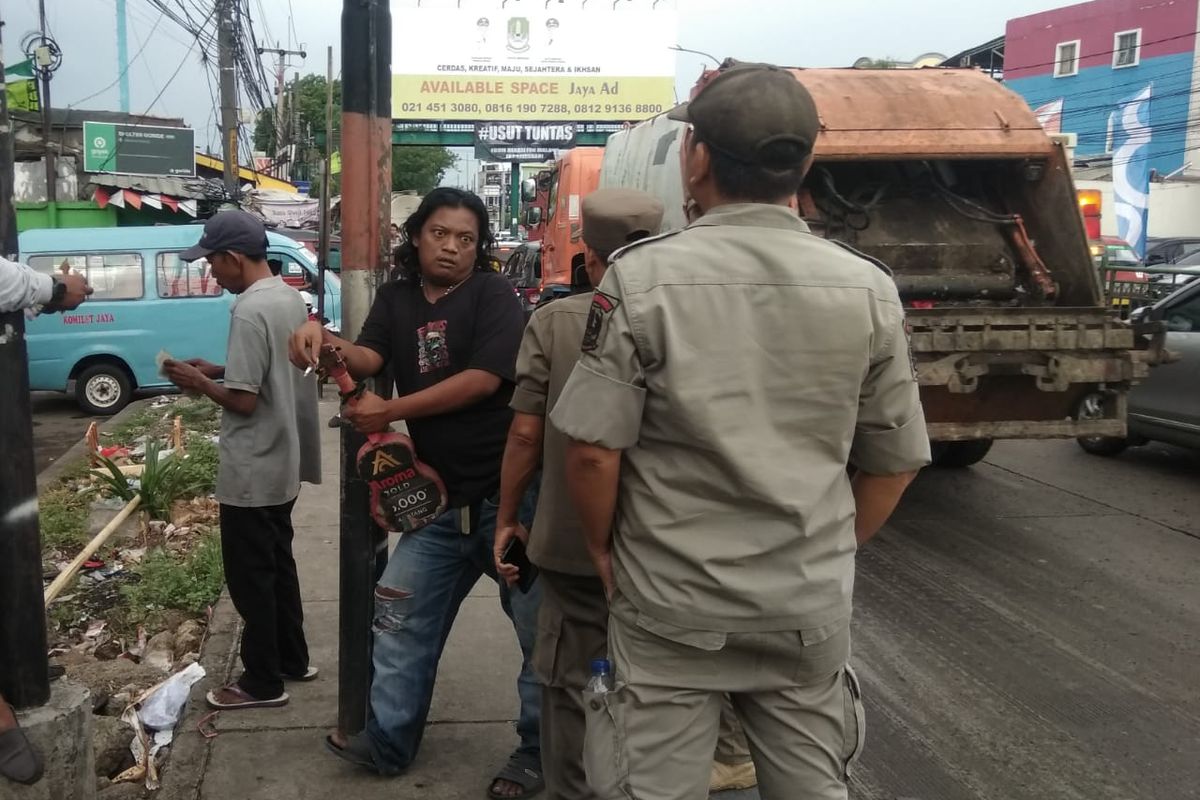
(477, 326)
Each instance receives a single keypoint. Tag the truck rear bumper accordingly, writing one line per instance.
(1023, 373)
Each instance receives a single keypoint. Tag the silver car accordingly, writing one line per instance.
(1166, 406)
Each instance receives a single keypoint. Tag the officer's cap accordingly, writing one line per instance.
(613, 218)
(756, 114)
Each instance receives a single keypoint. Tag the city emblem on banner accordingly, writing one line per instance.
(518, 35)
(1131, 168)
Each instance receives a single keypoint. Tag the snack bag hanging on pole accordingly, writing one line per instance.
(406, 494)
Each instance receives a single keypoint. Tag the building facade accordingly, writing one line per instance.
(1094, 69)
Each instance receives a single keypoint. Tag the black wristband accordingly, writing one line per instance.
(58, 294)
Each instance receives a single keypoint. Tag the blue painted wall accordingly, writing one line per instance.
(1096, 92)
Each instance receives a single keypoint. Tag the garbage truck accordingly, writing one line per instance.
(946, 177)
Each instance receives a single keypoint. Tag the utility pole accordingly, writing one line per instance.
(24, 679)
(123, 56)
(326, 186)
(227, 62)
(43, 61)
(366, 240)
(295, 136)
(280, 66)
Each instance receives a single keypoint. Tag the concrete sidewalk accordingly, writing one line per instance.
(274, 754)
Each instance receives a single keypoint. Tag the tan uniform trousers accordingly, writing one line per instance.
(653, 737)
(572, 631)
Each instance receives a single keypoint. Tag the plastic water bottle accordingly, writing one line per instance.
(601, 682)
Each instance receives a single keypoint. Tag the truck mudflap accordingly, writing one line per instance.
(1025, 373)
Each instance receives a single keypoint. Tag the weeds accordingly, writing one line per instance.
(199, 414)
(138, 424)
(191, 584)
(163, 481)
(63, 518)
(198, 472)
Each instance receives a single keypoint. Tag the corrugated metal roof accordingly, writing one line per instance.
(191, 188)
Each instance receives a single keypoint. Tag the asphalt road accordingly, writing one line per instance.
(57, 424)
(1030, 628)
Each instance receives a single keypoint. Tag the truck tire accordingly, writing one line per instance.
(103, 389)
(1107, 446)
(959, 455)
(1092, 407)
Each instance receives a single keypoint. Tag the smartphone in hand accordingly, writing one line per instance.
(515, 554)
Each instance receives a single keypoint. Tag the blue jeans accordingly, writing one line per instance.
(428, 576)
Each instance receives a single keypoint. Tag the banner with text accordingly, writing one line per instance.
(521, 141)
(533, 60)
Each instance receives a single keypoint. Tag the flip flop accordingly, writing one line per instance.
(244, 700)
(310, 674)
(19, 762)
(523, 770)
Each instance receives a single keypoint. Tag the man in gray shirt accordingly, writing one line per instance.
(269, 444)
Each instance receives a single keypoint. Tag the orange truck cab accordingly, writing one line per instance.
(554, 216)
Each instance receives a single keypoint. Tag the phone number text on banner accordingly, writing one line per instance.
(534, 98)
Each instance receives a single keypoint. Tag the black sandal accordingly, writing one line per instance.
(523, 770)
(19, 762)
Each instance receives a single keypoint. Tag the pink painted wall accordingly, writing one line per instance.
(1030, 41)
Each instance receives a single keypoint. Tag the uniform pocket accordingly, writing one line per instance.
(855, 721)
(545, 649)
(605, 760)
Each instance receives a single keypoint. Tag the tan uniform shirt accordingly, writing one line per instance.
(548, 353)
(740, 365)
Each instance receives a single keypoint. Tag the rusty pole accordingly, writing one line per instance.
(366, 209)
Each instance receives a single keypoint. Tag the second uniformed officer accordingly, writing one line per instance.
(573, 620)
(730, 374)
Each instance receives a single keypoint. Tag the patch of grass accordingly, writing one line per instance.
(191, 583)
(198, 472)
(62, 518)
(76, 470)
(198, 414)
(138, 424)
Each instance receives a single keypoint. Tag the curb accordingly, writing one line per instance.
(78, 450)
(183, 773)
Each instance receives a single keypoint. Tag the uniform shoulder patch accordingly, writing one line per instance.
(602, 306)
(884, 268)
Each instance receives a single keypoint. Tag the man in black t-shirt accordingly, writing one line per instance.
(449, 329)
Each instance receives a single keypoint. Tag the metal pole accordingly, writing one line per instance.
(123, 56)
(326, 185)
(514, 198)
(24, 680)
(280, 65)
(51, 172)
(366, 172)
(294, 132)
(226, 42)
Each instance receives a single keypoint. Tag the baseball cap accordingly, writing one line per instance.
(230, 232)
(613, 218)
(756, 114)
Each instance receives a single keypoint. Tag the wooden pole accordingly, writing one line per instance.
(64, 577)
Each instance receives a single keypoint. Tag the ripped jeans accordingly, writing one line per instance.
(431, 572)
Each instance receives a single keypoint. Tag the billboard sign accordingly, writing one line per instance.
(533, 60)
(138, 149)
(522, 141)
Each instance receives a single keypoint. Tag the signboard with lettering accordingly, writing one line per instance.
(522, 141)
(138, 149)
(529, 60)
